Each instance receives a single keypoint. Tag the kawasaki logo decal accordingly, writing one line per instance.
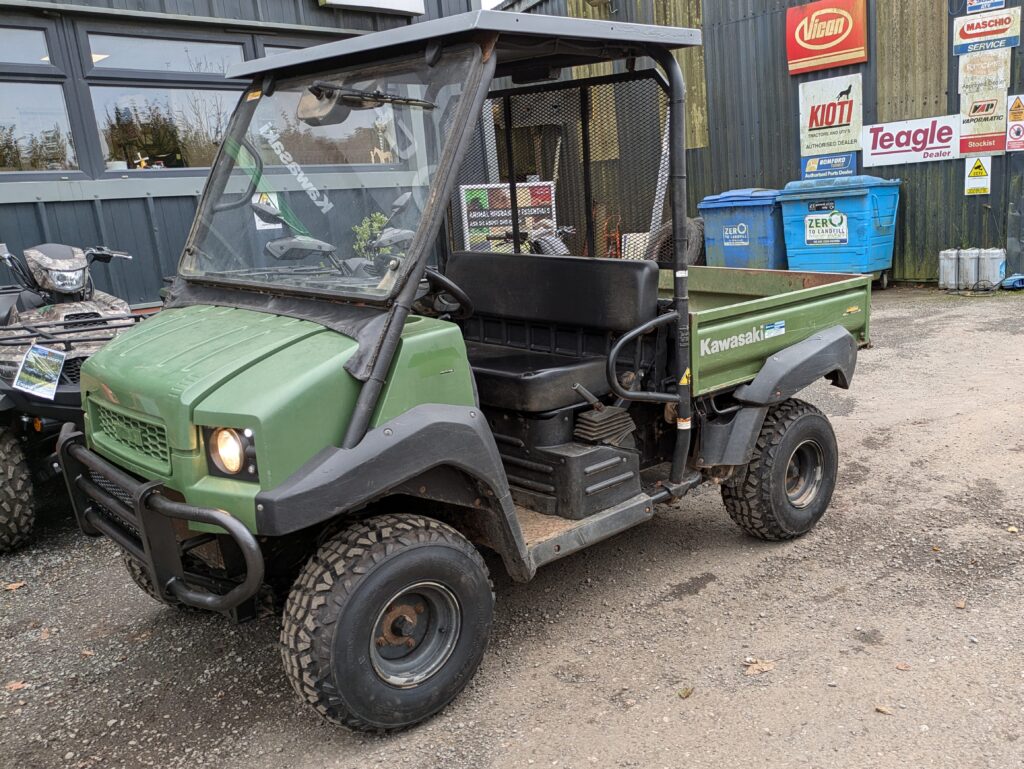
(756, 334)
(317, 196)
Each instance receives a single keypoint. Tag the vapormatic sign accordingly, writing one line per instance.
(911, 141)
(829, 166)
(831, 115)
(986, 31)
(826, 229)
(983, 123)
(825, 34)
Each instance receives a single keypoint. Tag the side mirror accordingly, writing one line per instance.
(267, 213)
(325, 109)
(400, 203)
(295, 247)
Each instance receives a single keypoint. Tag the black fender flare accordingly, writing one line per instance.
(831, 354)
(730, 439)
(428, 436)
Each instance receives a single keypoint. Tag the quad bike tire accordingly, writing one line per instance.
(662, 243)
(786, 487)
(17, 498)
(387, 622)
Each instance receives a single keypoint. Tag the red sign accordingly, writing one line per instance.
(825, 34)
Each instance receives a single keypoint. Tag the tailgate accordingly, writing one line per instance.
(729, 344)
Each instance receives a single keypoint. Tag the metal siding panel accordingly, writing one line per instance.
(913, 59)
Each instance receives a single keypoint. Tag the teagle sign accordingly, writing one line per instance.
(911, 141)
(831, 115)
(986, 31)
(825, 34)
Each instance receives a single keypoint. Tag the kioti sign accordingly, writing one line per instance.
(828, 33)
(831, 114)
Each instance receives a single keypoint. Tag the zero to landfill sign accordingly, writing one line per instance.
(986, 31)
(40, 371)
(826, 229)
(911, 141)
(1015, 123)
(487, 210)
(831, 115)
(826, 34)
(983, 123)
(985, 71)
(978, 176)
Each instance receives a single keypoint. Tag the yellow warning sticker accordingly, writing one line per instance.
(686, 378)
(253, 95)
(1017, 109)
(978, 170)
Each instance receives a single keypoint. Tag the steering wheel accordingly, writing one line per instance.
(441, 284)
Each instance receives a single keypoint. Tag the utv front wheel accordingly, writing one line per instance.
(387, 622)
(17, 503)
(787, 485)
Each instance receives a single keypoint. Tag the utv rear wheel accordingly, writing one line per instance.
(787, 485)
(17, 503)
(387, 622)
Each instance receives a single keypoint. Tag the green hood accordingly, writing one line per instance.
(168, 364)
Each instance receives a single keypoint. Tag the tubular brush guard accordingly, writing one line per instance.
(139, 520)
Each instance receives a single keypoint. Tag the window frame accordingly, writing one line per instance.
(56, 72)
(136, 78)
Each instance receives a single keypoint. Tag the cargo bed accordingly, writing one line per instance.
(738, 318)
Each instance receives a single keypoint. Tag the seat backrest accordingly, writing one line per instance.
(614, 295)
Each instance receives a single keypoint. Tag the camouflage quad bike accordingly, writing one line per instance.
(54, 305)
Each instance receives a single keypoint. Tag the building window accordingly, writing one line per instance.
(156, 128)
(160, 55)
(273, 50)
(23, 46)
(34, 131)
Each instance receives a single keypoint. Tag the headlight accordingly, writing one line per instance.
(232, 452)
(68, 280)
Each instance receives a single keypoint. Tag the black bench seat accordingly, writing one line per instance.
(595, 299)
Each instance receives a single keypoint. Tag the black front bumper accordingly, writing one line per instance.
(138, 517)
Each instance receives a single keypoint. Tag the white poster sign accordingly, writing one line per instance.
(831, 115)
(1015, 123)
(978, 176)
(911, 141)
(985, 71)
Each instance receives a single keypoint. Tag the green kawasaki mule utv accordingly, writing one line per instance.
(419, 314)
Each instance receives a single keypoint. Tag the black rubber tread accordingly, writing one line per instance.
(141, 578)
(17, 498)
(324, 587)
(747, 494)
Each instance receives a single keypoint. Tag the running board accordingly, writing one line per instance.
(550, 537)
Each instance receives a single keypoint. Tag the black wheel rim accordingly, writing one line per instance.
(804, 474)
(415, 634)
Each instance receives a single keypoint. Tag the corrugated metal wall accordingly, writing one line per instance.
(752, 114)
(150, 218)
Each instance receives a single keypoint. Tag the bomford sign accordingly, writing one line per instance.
(986, 31)
(911, 141)
(831, 115)
(825, 34)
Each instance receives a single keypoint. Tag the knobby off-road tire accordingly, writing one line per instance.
(17, 500)
(387, 622)
(787, 485)
(141, 578)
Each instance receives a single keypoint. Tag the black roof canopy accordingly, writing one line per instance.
(540, 40)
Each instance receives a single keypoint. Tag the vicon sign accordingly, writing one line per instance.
(828, 33)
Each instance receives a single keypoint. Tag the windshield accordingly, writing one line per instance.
(322, 181)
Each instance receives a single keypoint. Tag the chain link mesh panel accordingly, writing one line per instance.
(576, 167)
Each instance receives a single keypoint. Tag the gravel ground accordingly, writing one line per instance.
(895, 627)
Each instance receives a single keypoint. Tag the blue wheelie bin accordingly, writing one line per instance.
(743, 228)
(841, 225)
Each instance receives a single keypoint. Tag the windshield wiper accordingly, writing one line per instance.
(365, 99)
